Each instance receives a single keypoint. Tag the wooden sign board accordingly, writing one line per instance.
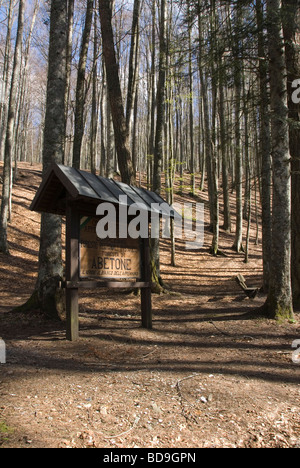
(117, 259)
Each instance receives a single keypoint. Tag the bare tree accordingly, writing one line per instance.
(279, 301)
(5, 89)
(237, 51)
(47, 295)
(7, 171)
(291, 22)
(115, 94)
(132, 72)
(80, 88)
(159, 136)
(264, 144)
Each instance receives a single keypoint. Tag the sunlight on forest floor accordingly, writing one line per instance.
(211, 373)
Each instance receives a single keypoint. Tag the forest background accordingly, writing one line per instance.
(162, 88)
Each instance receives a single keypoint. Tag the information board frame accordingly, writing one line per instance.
(108, 259)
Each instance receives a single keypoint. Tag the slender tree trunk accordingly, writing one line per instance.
(238, 148)
(7, 170)
(134, 131)
(264, 147)
(152, 99)
(209, 152)
(279, 302)
(291, 21)
(132, 69)
(80, 89)
(225, 183)
(95, 102)
(214, 161)
(23, 97)
(110, 149)
(5, 80)
(191, 109)
(159, 136)
(115, 95)
(161, 96)
(67, 148)
(247, 167)
(181, 150)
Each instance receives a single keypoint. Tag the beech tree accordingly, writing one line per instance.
(159, 134)
(264, 144)
(291, 23)
(81, 85)
(175, 92)
(237, 54)
(8, 151)
(115, 93)
(47, 295)
(279, 301)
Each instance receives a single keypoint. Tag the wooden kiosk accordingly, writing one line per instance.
(91, 262)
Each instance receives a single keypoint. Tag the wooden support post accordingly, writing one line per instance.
(146, 303)
(72, 272)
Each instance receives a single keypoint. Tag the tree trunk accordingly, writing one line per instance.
(161, 96)
(95, 103)
(47, 296)
(211, 159)
(264, 147)
(191, 109)
(132, 70)
(159, 136)
(110, 149)
(7, 170)
(238, 148)
(5, 80)
(214, 155)
(80, 89)
(225, 183)
(279, 301)
(153, 102)
(115, 95)
(291, 16)
(68, 76)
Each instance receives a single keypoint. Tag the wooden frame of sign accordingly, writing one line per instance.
(90, 262)
(94, 264)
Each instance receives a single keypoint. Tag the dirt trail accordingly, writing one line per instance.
(211, 373)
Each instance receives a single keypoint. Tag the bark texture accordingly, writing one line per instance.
(115, 94)
(279, 300)
(7, 170)
(50, 254)
(80, 88)
(291, 22)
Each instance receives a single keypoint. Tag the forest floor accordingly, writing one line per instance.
(211, 373)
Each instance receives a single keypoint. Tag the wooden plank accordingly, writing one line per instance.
(250, 292)
(146, 300)
(107, 258)
(72, 272)
(105, 284)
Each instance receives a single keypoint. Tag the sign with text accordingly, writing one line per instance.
(107, 258)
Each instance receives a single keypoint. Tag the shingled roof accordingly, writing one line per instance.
(61, 183)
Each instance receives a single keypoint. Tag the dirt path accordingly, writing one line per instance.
(211, 373)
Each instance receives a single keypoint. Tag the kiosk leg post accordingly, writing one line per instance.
(72, 314)
(72, 272)
(146, 302)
